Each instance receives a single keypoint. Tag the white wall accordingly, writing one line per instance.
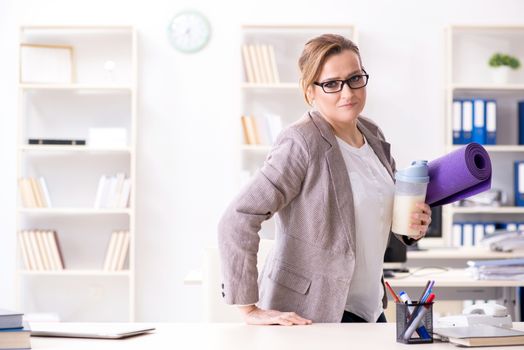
(188, 112)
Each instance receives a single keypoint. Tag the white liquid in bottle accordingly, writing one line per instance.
(403, 207)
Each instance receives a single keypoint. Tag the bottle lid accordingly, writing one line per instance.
(417, 172)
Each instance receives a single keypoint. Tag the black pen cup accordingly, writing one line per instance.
(410, 313)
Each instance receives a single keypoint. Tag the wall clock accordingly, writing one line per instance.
(189, 31)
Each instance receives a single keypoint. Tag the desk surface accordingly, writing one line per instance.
(240, 336)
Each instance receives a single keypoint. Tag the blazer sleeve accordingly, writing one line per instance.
(271, 188)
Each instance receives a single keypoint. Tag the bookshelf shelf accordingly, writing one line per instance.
(60, 148)
(74, 211)
(496, 148)
(279, 86)
(63, 217)
(488, 87)
(489, 210)
(468, 76)
(78, 87)
(87, 273)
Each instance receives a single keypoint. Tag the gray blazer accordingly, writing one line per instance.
(304, 181)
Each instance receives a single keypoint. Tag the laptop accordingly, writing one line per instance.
(88, 330)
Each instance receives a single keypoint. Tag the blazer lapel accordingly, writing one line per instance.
(339, 178)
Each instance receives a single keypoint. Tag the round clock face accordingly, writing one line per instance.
(189, 31)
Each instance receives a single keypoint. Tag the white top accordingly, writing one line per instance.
(373, 192)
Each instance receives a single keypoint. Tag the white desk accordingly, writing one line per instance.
(240, 336)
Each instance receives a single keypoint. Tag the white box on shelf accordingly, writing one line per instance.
(107, 137)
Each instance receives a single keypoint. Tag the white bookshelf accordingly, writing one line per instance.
(282, 98)
(468, 75)
(96, 97)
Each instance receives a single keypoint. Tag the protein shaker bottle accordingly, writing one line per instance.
(410, 189)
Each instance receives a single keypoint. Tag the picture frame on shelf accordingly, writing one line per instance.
(58, 61)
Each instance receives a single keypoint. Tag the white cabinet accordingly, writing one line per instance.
(469, 76)
(101, 96)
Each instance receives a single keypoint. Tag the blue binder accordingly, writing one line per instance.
(479, 121)
(467, 121)
(491, 122)
(519, 183)
(457, 122)
(521, 122)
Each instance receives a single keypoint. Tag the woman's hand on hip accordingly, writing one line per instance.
(256, 316)
(421, 219)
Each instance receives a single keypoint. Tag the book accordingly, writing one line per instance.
(457, 122)
(16, 338)
(274, 68)
(36, 192)
(519, 183)
(57, 142)
(491, 122)
(45, 192)
(256, 65)
(467, 121)
(520, 111)
(10, 319)
(248, 65)
(481, 335)
(110, 252)
(479, 121)
(123, 252)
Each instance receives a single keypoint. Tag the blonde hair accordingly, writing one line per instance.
(316, 52)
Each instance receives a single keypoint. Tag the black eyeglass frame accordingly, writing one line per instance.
(346, 81)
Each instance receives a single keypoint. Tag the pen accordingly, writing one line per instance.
(424, 291)
(397, 300)
(421, 331)
(428, 292)
(412, 325)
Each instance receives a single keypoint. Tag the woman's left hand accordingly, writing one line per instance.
(421, 219)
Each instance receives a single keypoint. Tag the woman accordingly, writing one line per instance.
(329, 179)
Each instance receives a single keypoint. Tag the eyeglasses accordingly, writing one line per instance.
(354, 82)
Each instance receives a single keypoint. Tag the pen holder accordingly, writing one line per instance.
(414, 323)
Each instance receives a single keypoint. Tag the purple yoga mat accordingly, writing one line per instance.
(458, 175)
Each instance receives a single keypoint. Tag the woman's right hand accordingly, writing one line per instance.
(256, 316)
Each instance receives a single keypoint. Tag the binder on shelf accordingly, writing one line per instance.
(468, 235)
(467, 121)
(457, 122)
(457, 234)
(521, 122)
(519, 183)
(491, 122)
(479, 121)
(478, 233)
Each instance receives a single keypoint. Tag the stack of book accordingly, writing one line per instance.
(261, 130)
(14, 333)
(113, 191)
(260, 64)
(40, 250)
(34, 193)
(117, 251)
(503, 269)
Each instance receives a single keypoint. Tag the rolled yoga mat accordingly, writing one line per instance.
(458, 175)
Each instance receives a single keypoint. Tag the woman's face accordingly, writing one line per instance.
(344, 106)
